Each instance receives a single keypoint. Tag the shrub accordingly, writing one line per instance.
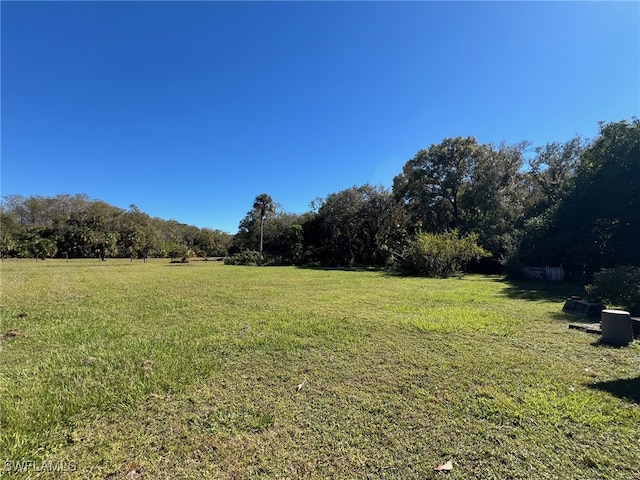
(439, 255)
(178, 253)
(245, 257)
(513, 267)
(619, 286)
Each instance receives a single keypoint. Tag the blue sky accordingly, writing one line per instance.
(189, 110)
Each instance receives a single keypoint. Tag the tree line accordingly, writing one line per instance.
(491, 207)
(80, 227)
(495, 208)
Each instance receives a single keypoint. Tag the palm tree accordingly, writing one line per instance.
(263, 206)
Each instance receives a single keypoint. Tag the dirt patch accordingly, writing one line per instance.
(11, 334)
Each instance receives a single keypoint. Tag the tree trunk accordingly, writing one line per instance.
(261, 236)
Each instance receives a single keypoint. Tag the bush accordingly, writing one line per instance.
(178, 253)
(245, 257)
(184, 259)
(513, 267)
(619, 286)
(439, 255)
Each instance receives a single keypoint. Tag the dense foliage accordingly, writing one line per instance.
(573, 204)
(245, 257)
(439, 255)
(77, 226)
(596, 221)
(618, 286)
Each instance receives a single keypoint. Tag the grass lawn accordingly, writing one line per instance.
(200, 371)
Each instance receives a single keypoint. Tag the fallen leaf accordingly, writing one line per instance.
(445, 467)
(134, 473)
(148, 367)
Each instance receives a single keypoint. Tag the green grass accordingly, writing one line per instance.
(191, 372)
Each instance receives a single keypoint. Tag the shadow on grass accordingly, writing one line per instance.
(565, 317)
(536, 290)
(343, 269)
(626, 388)
(601, 343)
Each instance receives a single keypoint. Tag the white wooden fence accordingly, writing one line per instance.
(554, 274)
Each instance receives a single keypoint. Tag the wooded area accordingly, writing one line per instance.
(79, 227)
(573, 204)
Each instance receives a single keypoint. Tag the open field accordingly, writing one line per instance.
(198, 371)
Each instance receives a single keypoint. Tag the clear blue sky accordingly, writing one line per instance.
(191, 109)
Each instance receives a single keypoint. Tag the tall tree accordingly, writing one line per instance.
(359, 225)
(604, 204)
(10, 233)
(492, 203)
(597, 223)
(551, 173)
(432, 182)
(137, 235)
(462, 185)
(264, 207)
(213, 243)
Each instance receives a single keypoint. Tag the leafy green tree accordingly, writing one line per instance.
(359, 225)
(295, 241)
(463, 185)
(619, 286)
(39, 211)
(597, 223)
(343, 215)
(493, 202)
(92, 231)
(432, 182)
(81, 227)
(177, 251)
(10, 233)
(279, 237)
(547, 183)
(44, 248)
(551, 172)
(248, 235)
(605, 204)
(213, 243)
(282, 238)
(172, 232)
(7, 244)
(137, 237)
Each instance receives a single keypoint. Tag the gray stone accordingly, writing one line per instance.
(616, 327)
